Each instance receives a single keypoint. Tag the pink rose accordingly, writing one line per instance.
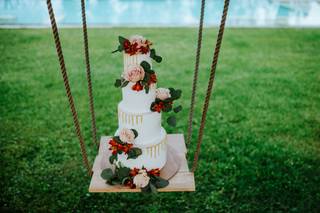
(134, 73)
(127, 136)
(163, 93)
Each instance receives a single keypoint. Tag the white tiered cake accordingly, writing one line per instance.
(139, 147)
(134, 113)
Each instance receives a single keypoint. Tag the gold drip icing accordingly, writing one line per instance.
(130, 118)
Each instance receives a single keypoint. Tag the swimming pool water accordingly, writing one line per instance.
(242, 13)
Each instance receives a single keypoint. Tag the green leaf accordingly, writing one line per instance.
(177, 109)
(146, 87)
(153, 188)
(122, 172)
(158, 59)
(117, 139)
(120, 47)
(146, 78)
(175, 94)
(172, 120)
(160, 182)
(146, 66)
(154, 56)
(124, 180)
(124, 83)
(114, 51)
(107, 174)
(150, 71)
(134, 153)
(117, 83)
(135, 132)
(167, 107)
(122, 39)
(112, 158)
(152, 53)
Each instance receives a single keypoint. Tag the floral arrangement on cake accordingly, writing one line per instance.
(141, 75)
(137, 45)
(164, 103)
(124, 144)
(147, 181)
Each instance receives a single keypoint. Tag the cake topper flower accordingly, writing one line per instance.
(137, 45)
(164, 103)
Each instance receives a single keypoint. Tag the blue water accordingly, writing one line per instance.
(242, 13)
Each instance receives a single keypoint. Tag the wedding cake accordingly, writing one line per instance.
(139, 147)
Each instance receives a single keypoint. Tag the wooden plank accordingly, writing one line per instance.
(182, 181)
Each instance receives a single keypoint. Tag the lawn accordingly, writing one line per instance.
(261, 147)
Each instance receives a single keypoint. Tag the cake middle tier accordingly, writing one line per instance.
(138, 101)
(147, 124)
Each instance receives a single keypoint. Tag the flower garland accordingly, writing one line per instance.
(137, 45)
(146, 180)
(124, 144)
(141, 75)
(164, 103)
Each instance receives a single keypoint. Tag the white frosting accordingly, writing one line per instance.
(135, 59)
(148, 124)
(137, 101)
(152, 157)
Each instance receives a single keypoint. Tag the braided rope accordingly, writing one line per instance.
(67, 87)
(87, 59)
(196, 71)
(210, 84)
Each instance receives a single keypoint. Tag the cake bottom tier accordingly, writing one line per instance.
(153, 156)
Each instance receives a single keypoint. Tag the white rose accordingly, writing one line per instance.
(142, 179)
(127, 135)
(163, 93)
(134, 73)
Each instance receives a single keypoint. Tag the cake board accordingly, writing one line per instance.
(176, 169)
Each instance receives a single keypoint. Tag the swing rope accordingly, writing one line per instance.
(87, 60)
(196, 73)
(67, 87)
(210, 83)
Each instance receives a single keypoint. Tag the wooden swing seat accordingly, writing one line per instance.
(183, 180)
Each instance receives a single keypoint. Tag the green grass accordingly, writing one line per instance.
(261, 145)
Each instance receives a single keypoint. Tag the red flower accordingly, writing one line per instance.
(129, 183)
(158, 107)
(134, 172)
(144, 50)
(126, 45)
(114, 146)
(137, 87)
(155, 172)
(126, 148)
(153, 79)
(131, 49)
